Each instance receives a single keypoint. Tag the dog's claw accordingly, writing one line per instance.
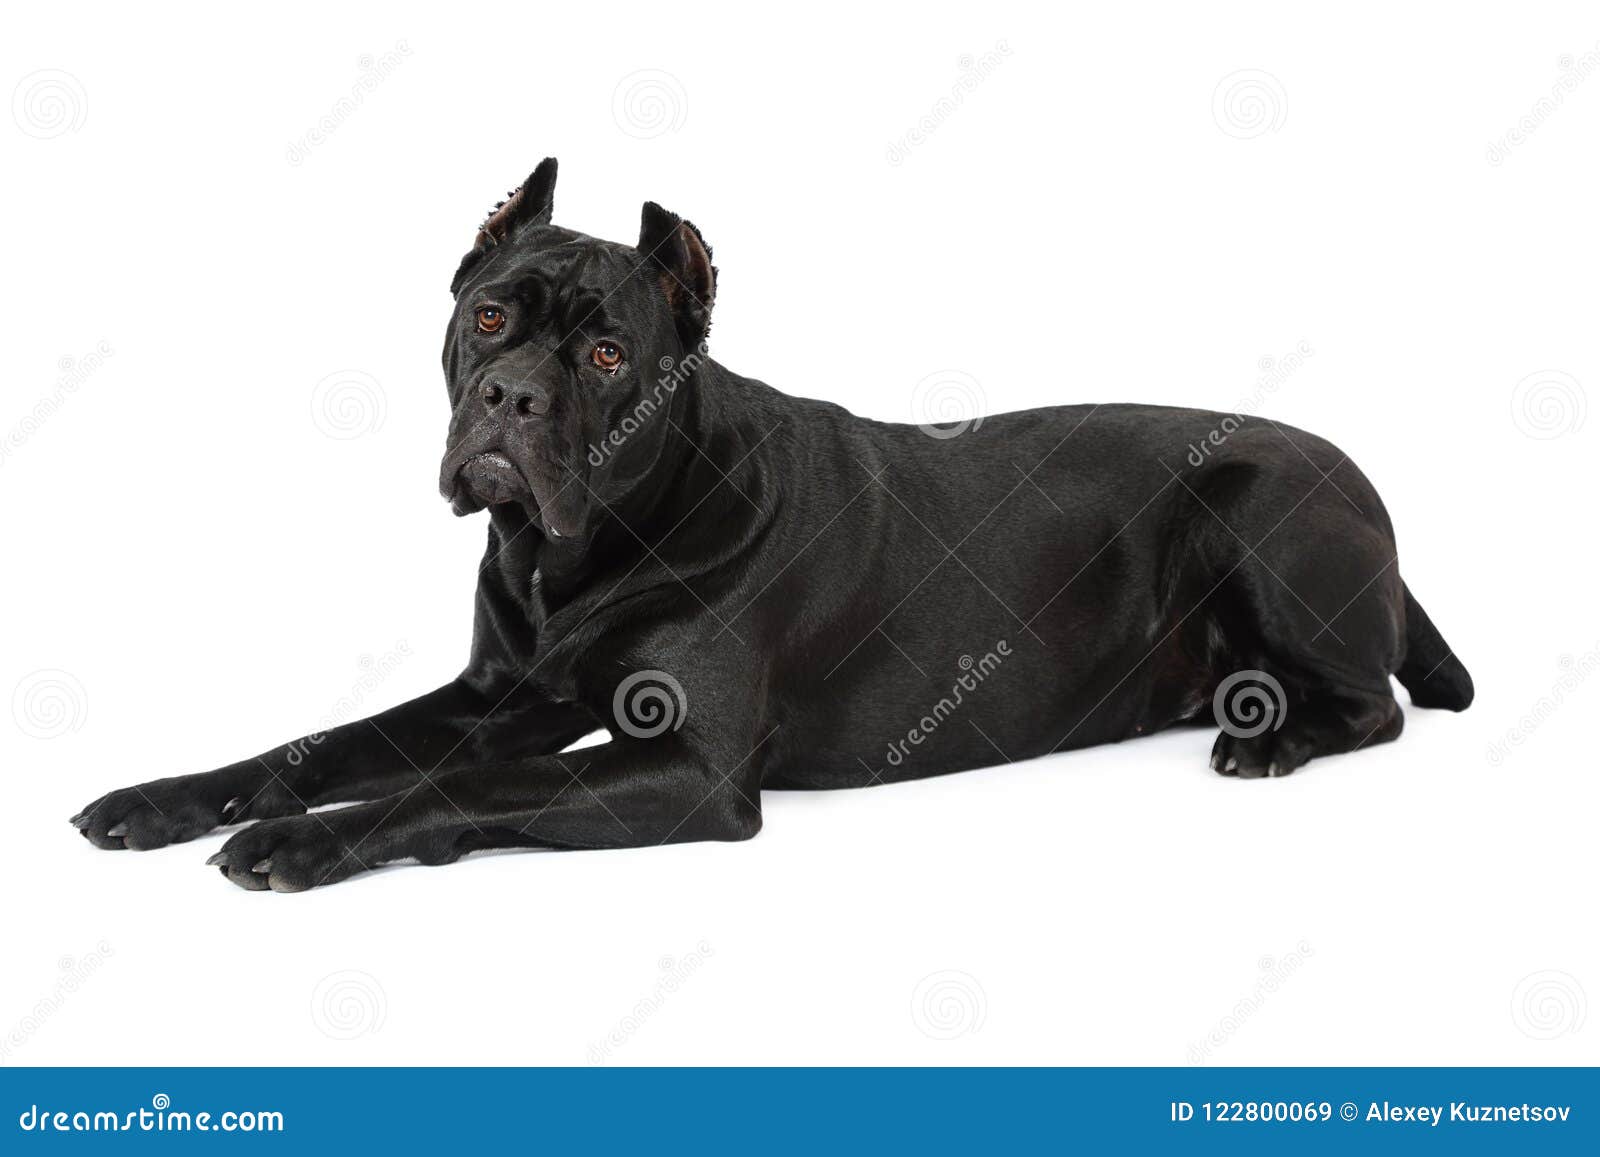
(77, 820)
(263, 868)
(217, 860)
(1231, 765)
(117, 830)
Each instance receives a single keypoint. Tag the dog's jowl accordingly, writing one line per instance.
(754, 591)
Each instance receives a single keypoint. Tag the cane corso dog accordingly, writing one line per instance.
(754, 591)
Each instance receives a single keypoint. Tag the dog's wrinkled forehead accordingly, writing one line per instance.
(519, 252)
(556, 269)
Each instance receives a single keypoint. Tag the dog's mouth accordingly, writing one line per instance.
(491, 478)
(487, 479)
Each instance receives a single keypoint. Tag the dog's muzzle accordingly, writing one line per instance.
(485, 480)
(474, 476)
(492, 460)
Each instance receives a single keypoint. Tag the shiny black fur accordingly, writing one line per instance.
(842, 602)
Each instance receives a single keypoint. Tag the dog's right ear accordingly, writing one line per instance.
(531, 203)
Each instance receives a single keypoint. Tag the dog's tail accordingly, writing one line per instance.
(1431, 671)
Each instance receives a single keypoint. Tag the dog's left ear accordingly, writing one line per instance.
(682, 259)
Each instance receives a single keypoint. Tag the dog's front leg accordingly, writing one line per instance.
(460, 724)
(622, 794)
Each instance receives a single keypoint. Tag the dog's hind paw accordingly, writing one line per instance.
(1258, 756)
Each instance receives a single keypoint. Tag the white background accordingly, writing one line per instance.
(207, 551)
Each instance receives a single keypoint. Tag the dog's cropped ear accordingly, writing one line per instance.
(531, 203)
(682, 259)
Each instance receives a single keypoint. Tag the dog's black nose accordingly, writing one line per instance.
(527, 399)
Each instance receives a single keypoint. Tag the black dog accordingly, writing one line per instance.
(754, 591)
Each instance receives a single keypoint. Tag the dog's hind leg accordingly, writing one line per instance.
(1327, 724)
(1310, 609)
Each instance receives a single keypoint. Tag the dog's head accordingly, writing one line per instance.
(557, 345)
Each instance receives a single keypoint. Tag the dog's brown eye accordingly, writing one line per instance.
(607, 355)
(491, 320)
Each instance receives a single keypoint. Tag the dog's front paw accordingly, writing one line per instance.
(170, 811)
(292, 854)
